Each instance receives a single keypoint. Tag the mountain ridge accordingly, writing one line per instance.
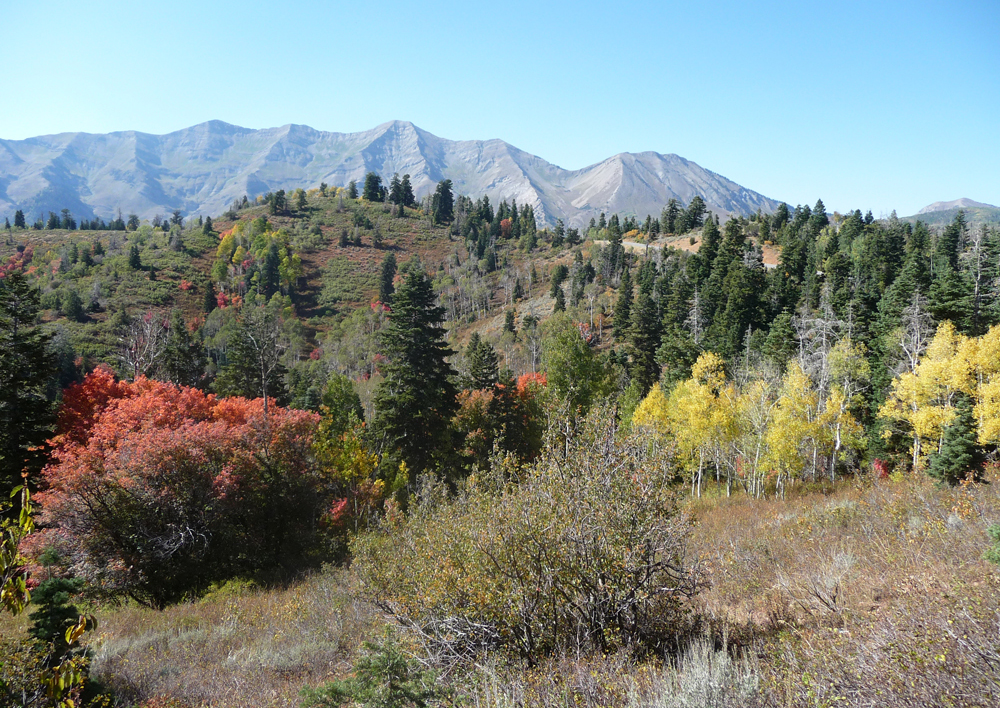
(204, 168)
(963, 203)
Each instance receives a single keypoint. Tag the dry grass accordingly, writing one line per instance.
(237, 647)
(871, 596)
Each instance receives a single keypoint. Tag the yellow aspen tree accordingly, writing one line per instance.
(850, 374)
(752, 414)
(793, 433)
(922, 402)
(987, 381)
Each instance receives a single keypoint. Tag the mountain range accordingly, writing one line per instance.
(203, 169)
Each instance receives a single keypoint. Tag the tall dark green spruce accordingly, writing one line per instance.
(960, 455)
(26, 370)
(183, 360)
(416, 400)
(484, 366)
(386, 277)
(623, 306)
(645, 332)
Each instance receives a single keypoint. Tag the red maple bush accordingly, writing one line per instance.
(157, 490)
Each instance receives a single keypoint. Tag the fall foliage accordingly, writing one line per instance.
(156, 489)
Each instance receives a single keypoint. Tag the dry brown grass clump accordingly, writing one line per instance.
(239, 646)
(874, 595)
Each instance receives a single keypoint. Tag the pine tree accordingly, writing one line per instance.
(408, 198)
(959, 454)
(54, 614)
(443, 205)
(415, 401)
(484, 367)
(26, 372)
(708, 250)
(949, 297)
(695, 215)
(19, 219)
(560, 301)
(72, 306)
(183, 359)
(211, 300)
(510, 318)
(395, 189)
(645, 335)
(386, 276)
(352, 190)
(623, 306)
(373, 191)
(134, 261)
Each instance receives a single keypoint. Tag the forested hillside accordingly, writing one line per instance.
(497, 447)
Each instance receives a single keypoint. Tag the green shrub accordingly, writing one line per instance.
(383, 678)
(584, 548)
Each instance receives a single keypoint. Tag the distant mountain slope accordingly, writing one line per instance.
(943, 213)
(202, 169)
(962, 203)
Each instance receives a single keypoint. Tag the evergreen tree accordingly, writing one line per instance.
(386, 276)
(959, 454)
(416, 400)
(374, 191)
(558, 234)
(183, 359)
(395, 189)
(949, 297)
(352, 190)
(206, 228)
(72, 306)
(510, 317)
(443, 206)
(623, 306)
(818, 220)
(484, 367)
(270, 273)
(949, 244)
(211, 300)
(408, 198)
(254, 367)
(54, 614)
(780, 345)
(19, 219)
(709, 249)
(695, 215)
(560, 301)
(343, 404)
(134, 261)
(677, 354)
(645, 335)
(26, 371)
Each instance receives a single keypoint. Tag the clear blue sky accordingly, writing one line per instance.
(871, 105)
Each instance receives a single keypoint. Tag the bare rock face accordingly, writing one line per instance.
(202, 169)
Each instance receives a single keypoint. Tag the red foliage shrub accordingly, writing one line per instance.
(157, 489)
